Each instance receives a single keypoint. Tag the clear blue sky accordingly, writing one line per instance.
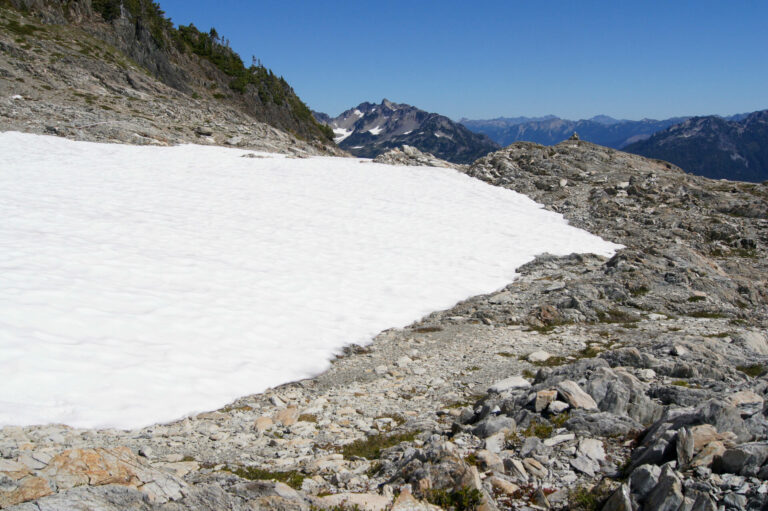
(484, 59)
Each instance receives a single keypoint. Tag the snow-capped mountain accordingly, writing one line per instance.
(371, 129)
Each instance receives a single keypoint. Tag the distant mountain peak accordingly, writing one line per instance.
(370, 129)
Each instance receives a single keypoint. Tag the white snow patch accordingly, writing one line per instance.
(375, 131)
(408, 132)
(17, 96)
(357, 147)
(358, 112)
(140, 284)
(341, 134)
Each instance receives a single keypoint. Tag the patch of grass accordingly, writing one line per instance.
(505, 354)
(585, 499)
(218, 95)
(616, 316)
(639, 291)
(542, 329)
(17, 28)
(559, 419)
(233, 408)
(428, 329)
(471, 459)
(753, 370)
(463, 499)
(696, 298)
(292, 478)
(307, 417)
(706, 314)
(550, 362)
(371, 447)
(538, 429)
(630, 326)
(527, 373)
(681, 383)
(473, 368)
(719, 335)
(338, 507)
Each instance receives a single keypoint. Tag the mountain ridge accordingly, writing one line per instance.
(370, 129)
(714, 146)
(549, 130)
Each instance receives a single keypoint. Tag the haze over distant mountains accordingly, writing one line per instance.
(371, 129)
(550, 130)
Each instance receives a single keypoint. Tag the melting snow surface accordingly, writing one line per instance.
(142, 284)
(376, 130)
(358, 112)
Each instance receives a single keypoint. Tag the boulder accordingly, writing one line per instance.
(575, 396)
(667, 495)
(511, 383)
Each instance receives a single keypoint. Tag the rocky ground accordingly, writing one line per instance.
(631, 383)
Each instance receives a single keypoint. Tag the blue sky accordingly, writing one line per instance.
(486, 59)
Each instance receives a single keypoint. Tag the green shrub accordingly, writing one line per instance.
(371, 447)
(292, 478)
(463, 499)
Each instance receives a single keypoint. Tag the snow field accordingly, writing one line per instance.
(143, 284)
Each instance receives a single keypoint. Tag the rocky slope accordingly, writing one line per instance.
(631, 383)
(370, 130)
(80, 70)
(551, 130)
(714, 147)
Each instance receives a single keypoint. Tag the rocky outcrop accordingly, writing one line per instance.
(65, 70)
(410, 156)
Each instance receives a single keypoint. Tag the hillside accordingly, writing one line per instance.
(370, 129)
(635, 382)
(714, 147)
(99, 70)
(550, 130)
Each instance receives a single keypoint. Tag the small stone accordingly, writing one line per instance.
(543, 399)
(592, 448)
(644, 479)
(288, 416)
(516, 469)
(204, 131)
(234, 140)
(514, 382)
(503, 486)
(535, 468)
(679, 350)
(557, 407)
(576, 397)
(747, 402)
(262, 424)
(380, 370)
(489, 461)
(559, 439)
(619, 501)
(403, 361)
(496, 442)
(585, 465)
(538, 356)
